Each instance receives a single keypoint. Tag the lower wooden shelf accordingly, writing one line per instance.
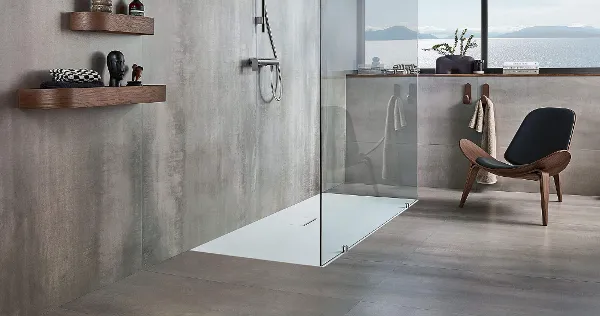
(90, 97)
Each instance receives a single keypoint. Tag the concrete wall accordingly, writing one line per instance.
(89, 196)
(222, 158)
(443, 121)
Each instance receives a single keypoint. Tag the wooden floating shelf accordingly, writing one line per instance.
(111, 23)
(90, 97)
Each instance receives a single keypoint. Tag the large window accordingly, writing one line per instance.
(392, 29)
(555, 33)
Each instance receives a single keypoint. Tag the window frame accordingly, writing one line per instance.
(484, 47)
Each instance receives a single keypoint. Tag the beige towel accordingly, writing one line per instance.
(484, 121)
(394, 122)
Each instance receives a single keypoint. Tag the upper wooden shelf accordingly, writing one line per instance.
(90, 97)
(111, 23)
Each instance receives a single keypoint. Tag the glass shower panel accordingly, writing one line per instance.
(368, 118)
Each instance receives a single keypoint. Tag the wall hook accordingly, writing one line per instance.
(485, 91)
(467, 94)
(412, 93)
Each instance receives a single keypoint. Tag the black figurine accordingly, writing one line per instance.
(116, 67)
(136, 75)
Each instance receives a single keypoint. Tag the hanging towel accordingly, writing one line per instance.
(394, 122)
(399, 120)
(484, 121)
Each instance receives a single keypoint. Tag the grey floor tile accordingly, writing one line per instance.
(61, 312)
(381, 309)
(336, 281)
(485, 293)
(491, 258)
(149, 293)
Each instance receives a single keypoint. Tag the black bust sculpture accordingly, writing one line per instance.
(116, 67)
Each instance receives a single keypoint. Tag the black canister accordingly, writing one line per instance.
(478, 67)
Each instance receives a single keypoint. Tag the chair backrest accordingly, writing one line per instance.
(543, 132)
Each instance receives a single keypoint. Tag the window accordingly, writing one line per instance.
(391, 31)
(557, 34)
(392, 28)
(439, 19)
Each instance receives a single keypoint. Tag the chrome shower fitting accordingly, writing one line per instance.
(273, 63)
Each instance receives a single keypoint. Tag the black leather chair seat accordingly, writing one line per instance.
(492, 163)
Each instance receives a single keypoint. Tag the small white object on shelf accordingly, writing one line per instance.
(369, 69)
(521, 68)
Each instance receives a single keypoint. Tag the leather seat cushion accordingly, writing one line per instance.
(492, 163)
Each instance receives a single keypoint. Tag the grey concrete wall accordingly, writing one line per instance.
(216, 156)
(443, 121)
(70, 190)
(88, 196)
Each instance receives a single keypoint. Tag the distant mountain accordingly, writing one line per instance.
(553, 32)
(395, 33)
(476, 35)
(403, 33)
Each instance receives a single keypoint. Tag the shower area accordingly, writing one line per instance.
(367, 134)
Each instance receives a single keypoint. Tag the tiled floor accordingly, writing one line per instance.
(491, 258)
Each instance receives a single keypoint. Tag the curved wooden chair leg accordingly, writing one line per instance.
(472, 175)
(558, 188)
(545, 192)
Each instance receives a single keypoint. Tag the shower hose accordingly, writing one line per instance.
(276, 77)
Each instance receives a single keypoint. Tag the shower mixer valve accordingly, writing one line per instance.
(257, 63)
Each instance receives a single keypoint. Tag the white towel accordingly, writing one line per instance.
(394, 122)
(484, 121)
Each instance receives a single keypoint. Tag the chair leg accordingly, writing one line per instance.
(558, 189)
(473, 171)
(545, 192)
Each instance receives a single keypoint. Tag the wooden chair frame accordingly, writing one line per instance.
(541, 170)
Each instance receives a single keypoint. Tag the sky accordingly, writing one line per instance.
(442, 17)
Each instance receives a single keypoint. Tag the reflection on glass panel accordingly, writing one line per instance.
(368, 124)
(559, 34)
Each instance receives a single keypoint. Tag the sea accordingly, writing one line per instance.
(549, 52)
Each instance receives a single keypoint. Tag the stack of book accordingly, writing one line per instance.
(521, 68)
(101, 6)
